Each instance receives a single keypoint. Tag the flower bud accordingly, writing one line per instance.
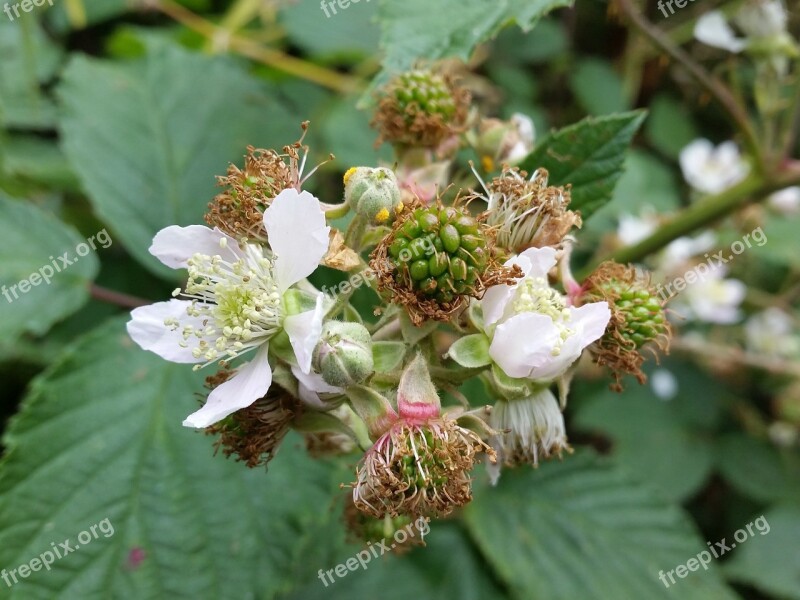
(373, 193)
(344, 354)
(504, 142)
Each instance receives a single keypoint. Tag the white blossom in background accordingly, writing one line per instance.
(711, 170)
(786, 201)
(632, 229)
(235, 300)
(772, 332)
(664, 384)
(764, 25)
(713, 298)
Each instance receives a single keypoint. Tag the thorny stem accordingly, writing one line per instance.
(721, 352)
(704, 212)
(111, 297)
(713, 85)
(219, 36)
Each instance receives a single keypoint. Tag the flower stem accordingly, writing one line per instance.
(119, 299)
(702, 213)
(713, 85)
(219, 36)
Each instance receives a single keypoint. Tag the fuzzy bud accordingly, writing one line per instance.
(344, 354)
(373, 193)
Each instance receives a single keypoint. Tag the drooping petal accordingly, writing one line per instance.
(175, 245)
(298, 236)
(310, 385)
(713, 30)
(304, 331)
(524, 343)
(147, 329)
(249, 384)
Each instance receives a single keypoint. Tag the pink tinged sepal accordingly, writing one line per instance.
(372, 408)
(417, 399)
(249, 384)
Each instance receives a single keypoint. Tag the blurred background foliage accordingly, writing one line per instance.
(117, 114)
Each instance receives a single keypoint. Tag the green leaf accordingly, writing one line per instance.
(471, 351)
(88, 446)
(670, 127)
(147, 137)
(598, 87)
(769, 560)
(589, 155)
(413, 334)
(759, 470)
(30, 60)
(582, 529)
(650, 438)
(388, 356)
(447, 567)
(34, 243)
(412, 31)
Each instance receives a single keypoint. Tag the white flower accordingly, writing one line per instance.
(713, 299)
(761, 19)
(786, 201)
(764, 23)
(236, 300)
(633, 229)
(771, 332)
(664, 384)
(712, 170)
(534, 334)
(713, 30)
(520, 142)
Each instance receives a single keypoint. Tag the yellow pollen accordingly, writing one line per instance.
(487, 162)
(349, 174)
(382, 216)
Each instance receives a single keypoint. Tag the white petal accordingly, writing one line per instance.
(147, 329)
(523, 343)
(494, 302)
(304, 331)
(248, 385)
(174, 245)
(298, 236)
(590, 321)
(312, 384)
(713, 30)
(541, 261)
(693, 159)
